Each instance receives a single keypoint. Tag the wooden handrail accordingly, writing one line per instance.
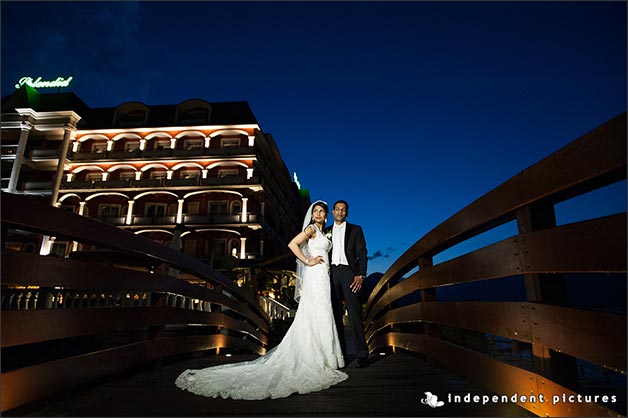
(539, 254)
(32, 215)
(597, 245)
(20, 268)
(59, 301)
(592, 161)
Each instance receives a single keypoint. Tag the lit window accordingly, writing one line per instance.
(127, 175)
(131, 146)
(158, 174)
(108, 211)
(99, 147)
(193, 144)
(231, 172)
(162, 145)
(229, 142)
(155, 209)
(189, 174)
(218, 208)
(193, 208)
(93, 176)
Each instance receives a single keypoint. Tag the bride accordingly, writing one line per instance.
(309, 356)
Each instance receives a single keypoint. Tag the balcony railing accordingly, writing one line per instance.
(111, 184)
(190, 181)
(38, 185)
(112, 220)
(153, 220)
(275, 309)
(159, 182)
(7, 150)
(124, 154)
(146, 183)
(165, 153)
(44, 153)
(187, 219)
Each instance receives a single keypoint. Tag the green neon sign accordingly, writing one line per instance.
(39, 83)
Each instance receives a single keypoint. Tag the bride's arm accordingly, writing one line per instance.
(295, 247)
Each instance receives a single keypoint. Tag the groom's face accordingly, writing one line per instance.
(340, 212)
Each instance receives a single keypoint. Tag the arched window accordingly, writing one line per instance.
(193, 112)
(132, 114)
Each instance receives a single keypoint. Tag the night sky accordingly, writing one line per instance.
(408, 110)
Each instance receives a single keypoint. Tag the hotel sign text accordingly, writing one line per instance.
(39, 83)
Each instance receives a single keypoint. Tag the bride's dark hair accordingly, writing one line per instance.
(322, 205)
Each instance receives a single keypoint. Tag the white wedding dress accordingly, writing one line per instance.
(306, 360)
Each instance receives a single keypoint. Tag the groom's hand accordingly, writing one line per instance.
(357, 284)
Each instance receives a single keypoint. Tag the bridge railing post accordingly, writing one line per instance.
(429, 295)
(549, 289)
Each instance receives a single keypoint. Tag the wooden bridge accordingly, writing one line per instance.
(107, 337)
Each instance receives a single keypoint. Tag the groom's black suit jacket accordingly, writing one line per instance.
(355, 248)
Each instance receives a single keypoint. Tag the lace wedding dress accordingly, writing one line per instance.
(305, 361)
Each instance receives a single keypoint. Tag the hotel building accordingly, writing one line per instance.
(201, 177)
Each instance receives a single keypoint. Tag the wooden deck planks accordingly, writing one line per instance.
(392, 386)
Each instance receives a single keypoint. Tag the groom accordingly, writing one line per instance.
(348, 269)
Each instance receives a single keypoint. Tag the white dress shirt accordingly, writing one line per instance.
(338, 255)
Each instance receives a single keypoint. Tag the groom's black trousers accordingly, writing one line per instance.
(341, 279)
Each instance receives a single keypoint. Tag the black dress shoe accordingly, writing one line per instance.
(362, 363)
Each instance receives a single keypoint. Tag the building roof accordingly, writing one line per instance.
(224, 113)
(28, 97)
(221, 113)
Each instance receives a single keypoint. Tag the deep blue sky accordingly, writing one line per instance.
(408, 110)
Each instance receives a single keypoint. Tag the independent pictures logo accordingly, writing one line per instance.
(432, 400)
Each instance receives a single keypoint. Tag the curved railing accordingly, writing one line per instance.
(67, 321)
(406, 312)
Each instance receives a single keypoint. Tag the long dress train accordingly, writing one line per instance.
(306, 360)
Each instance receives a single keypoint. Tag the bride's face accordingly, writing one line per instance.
(319, 214)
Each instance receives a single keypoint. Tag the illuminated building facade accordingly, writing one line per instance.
(198, 176)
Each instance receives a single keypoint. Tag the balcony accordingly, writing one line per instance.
(211, 219)
(153, 220)
(187, 152)
(111, 184)
(112, 220)
(121, 155)
(77, 185)
(37, 185)
(41, 153)
(8, 150)
(163, 153)
(192, 181)
(230, 151)
(187, 220)
(156, 153)
(84, 156)
(146, 183)
(159, 182)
